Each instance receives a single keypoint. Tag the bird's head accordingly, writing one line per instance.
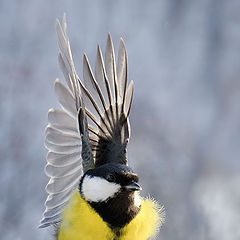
(108, 181)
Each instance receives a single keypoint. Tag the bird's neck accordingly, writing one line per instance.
(117, 211)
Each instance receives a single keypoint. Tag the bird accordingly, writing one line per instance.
(93, 194)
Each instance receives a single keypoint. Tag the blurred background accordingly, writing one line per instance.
(184, 57)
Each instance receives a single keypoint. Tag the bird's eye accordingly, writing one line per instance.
(110, 178)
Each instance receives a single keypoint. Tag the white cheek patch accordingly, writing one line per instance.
(137, 199)
(97, 189)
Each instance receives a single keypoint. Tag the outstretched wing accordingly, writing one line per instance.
(74, 145)
(70, 153)
(107, 100)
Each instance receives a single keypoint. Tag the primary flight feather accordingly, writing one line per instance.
(92, 192)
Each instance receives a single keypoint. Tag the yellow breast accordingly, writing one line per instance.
(81, 222)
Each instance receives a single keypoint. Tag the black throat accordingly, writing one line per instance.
(117, 211)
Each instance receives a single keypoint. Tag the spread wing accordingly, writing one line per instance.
(67, 140)
(107, 100)
(92, 127)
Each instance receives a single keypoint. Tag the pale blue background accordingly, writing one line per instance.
(184, 56)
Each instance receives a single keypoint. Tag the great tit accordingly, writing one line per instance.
(92, 192)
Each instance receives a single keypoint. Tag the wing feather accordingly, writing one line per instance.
(109, 102)
(62, 149)
(91, 84)
(64, 130)
(61, 184)
(122, 69)
(65, 98)
(128, 99)
(61, 160)
(66, 159)
(104, 101)
(110, 65)
(46, 222)
(60, 138)
(61, 171)
(99, 75)
(57, 199)
(58, 117)
(52, 212)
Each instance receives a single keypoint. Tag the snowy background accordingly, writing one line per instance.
(184, 56)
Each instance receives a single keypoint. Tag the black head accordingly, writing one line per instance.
(107, 180)
(112, 190)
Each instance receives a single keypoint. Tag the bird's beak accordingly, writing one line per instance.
(133, 187)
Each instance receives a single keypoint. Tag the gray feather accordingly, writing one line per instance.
(61, 184)
(46, 222)
(91, 84)
(66, 158)
(75, 132)
(60, 138)
(57, 199)
(128, 99)
(122, 69)
(111, 129)
(61, 171)
(62, 149)
(61, 160)
(64, 130)
(52, 212)
(110, 66)
(100, 76)
(65, 98)
(58, 117)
